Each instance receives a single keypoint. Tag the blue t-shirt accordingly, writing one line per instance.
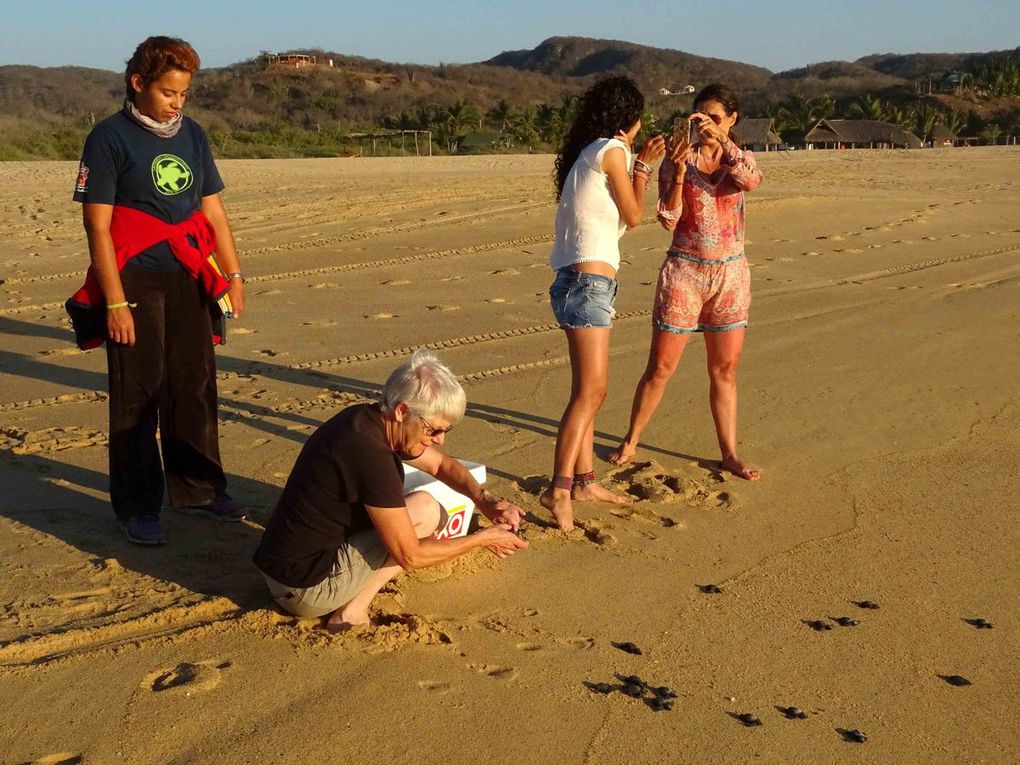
(124, 164)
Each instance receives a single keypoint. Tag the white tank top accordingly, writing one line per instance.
(588, 225)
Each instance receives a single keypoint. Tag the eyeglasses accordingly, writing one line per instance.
(432, 432)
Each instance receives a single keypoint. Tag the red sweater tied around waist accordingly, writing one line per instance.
(134, 231)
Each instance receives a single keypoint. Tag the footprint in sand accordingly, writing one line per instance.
(268, 353)
(504, 272)
(529, 647)
(323, 285)
(497, 671)
(382, 315)
(443, 308)
(434, 686)
(395, 282)
(61, 758)
(451, 279)
(496, 300)
(270, 292)
(187, 677)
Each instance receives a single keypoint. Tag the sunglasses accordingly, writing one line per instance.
(432, 432)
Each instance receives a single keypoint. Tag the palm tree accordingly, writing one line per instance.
(502, 114)
(992, 132)
(869, 108)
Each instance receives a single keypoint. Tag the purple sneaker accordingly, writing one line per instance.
(143, 529)
(223, 508)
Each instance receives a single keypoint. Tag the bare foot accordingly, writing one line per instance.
(558, 501)
(341, 621)
(621, 454)
(739, 469)
(594, 492)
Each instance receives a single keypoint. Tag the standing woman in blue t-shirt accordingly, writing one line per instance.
(600, 196)
(150, 194)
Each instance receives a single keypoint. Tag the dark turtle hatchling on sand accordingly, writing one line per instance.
(870, 604)
(854, 736)
(659, 705)
(845, 621)
(981, 624)
(663, 692)
(792, 713)
(628, 648)
(819, 626)
(749, 720)
(600, 687)
(710, 589)
(958, 680)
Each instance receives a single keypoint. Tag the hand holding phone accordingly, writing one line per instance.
(681, 131)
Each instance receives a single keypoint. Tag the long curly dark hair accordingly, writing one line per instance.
(607, 107)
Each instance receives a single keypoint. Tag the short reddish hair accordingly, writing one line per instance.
(157, 56)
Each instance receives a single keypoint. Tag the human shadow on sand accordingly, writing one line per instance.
(204, 556)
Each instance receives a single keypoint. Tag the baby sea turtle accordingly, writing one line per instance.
(749, 720)
(632, 680)
(628, 648)
(792, 713)
(958, 680)
(659, 705)
(866, 604)
(981, 624)
(710, 589)
(663, 692)
(634, 691)
(845, 621)
(819, 626)
(666, 522)
(854, 736)
(600, 687)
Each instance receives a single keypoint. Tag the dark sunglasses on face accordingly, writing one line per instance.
(432, 432)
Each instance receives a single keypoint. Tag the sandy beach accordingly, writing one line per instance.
(880, 394)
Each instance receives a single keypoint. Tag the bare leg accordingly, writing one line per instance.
(589, 371)
(723, 354)
(424, 512)
(593, 492)
(663, 357)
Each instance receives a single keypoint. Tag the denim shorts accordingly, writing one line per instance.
(581, 300)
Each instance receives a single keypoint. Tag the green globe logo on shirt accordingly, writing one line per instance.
(171, 174)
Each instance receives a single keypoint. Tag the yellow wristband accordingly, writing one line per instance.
(122, 304)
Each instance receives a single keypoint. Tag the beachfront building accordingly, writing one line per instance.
(292, 60)
(859, 134)
(758, 134)
(942, 137)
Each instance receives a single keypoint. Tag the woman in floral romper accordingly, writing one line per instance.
(704, 284)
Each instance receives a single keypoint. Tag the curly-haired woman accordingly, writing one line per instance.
(600, 196)
(704, 283)
(150, 195)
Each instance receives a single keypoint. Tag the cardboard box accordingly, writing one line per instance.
(457, 506)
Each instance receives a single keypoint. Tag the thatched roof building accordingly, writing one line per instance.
(758, 134)
(942, 136)
(860, 134)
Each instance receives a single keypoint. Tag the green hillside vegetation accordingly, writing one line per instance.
(516, 101)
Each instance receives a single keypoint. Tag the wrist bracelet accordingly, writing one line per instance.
(122, 304)
(639, 165)
(237, 275)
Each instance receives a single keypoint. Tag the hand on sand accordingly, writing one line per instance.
(736, 466)
(558, 502)
(501, 541)
(621, 454)
(593, 492)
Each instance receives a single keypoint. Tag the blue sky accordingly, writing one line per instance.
(777, 34)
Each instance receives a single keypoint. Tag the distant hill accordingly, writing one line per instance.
(255, 110)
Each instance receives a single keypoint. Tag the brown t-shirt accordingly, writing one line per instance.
(345, 465)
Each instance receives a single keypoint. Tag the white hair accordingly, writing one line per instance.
(427, 386)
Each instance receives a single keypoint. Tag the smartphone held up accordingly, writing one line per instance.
(681, 131)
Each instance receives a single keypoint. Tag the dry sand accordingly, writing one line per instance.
(880, 392)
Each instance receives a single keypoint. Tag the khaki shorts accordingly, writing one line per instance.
(356, 562)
